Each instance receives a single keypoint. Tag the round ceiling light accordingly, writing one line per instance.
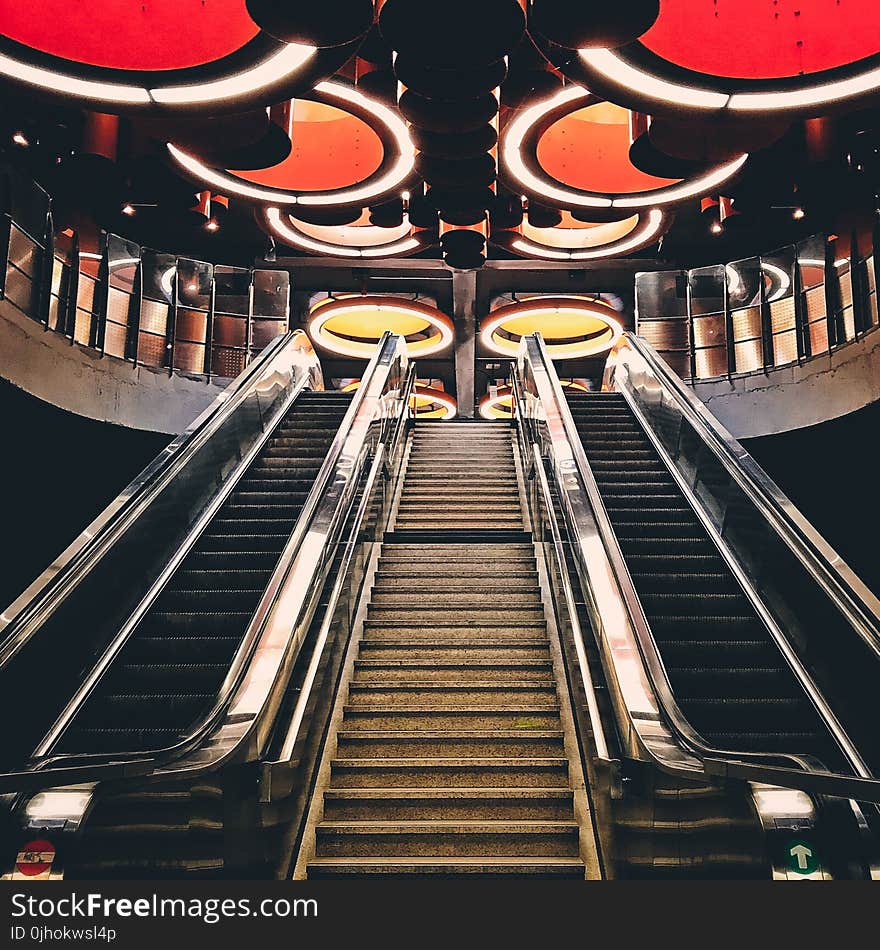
(498, 402)
(572, 327)
(170, 55)
(608, 180)
(353, 326)
(358, 239)
(748, 57)
(426, 402)
(574, 240)
(346, 174)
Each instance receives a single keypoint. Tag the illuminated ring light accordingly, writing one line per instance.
(394, 172)
(124, 65)
(425, 402)
(560, 243)
(500, 406)
(572, 327)
(347, 240)
(636, 75)
(520, 163)
(353, 326)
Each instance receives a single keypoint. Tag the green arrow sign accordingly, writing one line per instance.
(801, 857)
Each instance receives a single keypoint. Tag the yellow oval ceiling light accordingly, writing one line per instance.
(572, 327)
(499, 404)
(426, 402)
(429, 403)
(352, 326)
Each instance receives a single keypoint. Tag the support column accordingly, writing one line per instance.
(464, 312)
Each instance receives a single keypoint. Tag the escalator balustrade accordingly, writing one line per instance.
(727, 674)
(170, 670)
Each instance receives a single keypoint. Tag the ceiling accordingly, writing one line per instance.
(448, 130)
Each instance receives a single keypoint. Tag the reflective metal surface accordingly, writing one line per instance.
(650, 723)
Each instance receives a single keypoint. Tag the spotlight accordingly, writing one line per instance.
(212, 225)
(716, 227)
(20, 139)
(798, 213)
(129, 209)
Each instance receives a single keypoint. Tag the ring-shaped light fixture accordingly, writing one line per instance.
(426, 402)
(646, 228)
(347, 240)
(393, 174)
(499, 405)
(352, 326)
(658, 87)
(520, 163)
(234, 68)
(572, 327)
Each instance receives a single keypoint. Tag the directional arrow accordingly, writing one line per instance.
(802, 853)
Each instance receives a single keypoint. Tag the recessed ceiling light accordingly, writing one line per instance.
(21, 139)
(212, 225)
(129, 209)
(798, 213)
(716, 227)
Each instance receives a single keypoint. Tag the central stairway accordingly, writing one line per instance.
(452, 751)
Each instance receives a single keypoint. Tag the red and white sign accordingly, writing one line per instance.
(35, 858)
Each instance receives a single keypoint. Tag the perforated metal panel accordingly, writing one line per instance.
(710, 331)
(819, 336)
(20, 291)
(785, 348)
(151, 349)
(229, 331)
(154, 316)
(226, 362)
(189, 357)
(665, 334)
(746, 323)
(748, 356)
(711, 362)
(782, 316)
(814, 303)
(114, 339)
(23, 252)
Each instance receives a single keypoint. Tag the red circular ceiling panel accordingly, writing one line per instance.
(331, 149)
(589, 149)
(764, 39)
(117, 34)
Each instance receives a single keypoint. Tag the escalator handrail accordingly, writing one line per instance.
(681, 751)
(384, 456)
(603, 754)
(852, 598)
(52, 769)
(31, 609)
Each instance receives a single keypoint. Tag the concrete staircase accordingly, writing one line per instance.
(451, 751)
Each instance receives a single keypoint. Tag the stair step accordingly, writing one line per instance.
(390, 671)
(446, 838)
(464, 771)
(535, 867)
(470, 693)
(514, 803)
(409, 717)
(425, 743)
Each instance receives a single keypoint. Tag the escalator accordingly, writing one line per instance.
(169, 671)
(739, 655)
(728, 676)
(175, 625)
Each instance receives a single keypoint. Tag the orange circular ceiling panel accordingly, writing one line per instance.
(154, 35)
(589, 149)
(765, 39)
(331, 149)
